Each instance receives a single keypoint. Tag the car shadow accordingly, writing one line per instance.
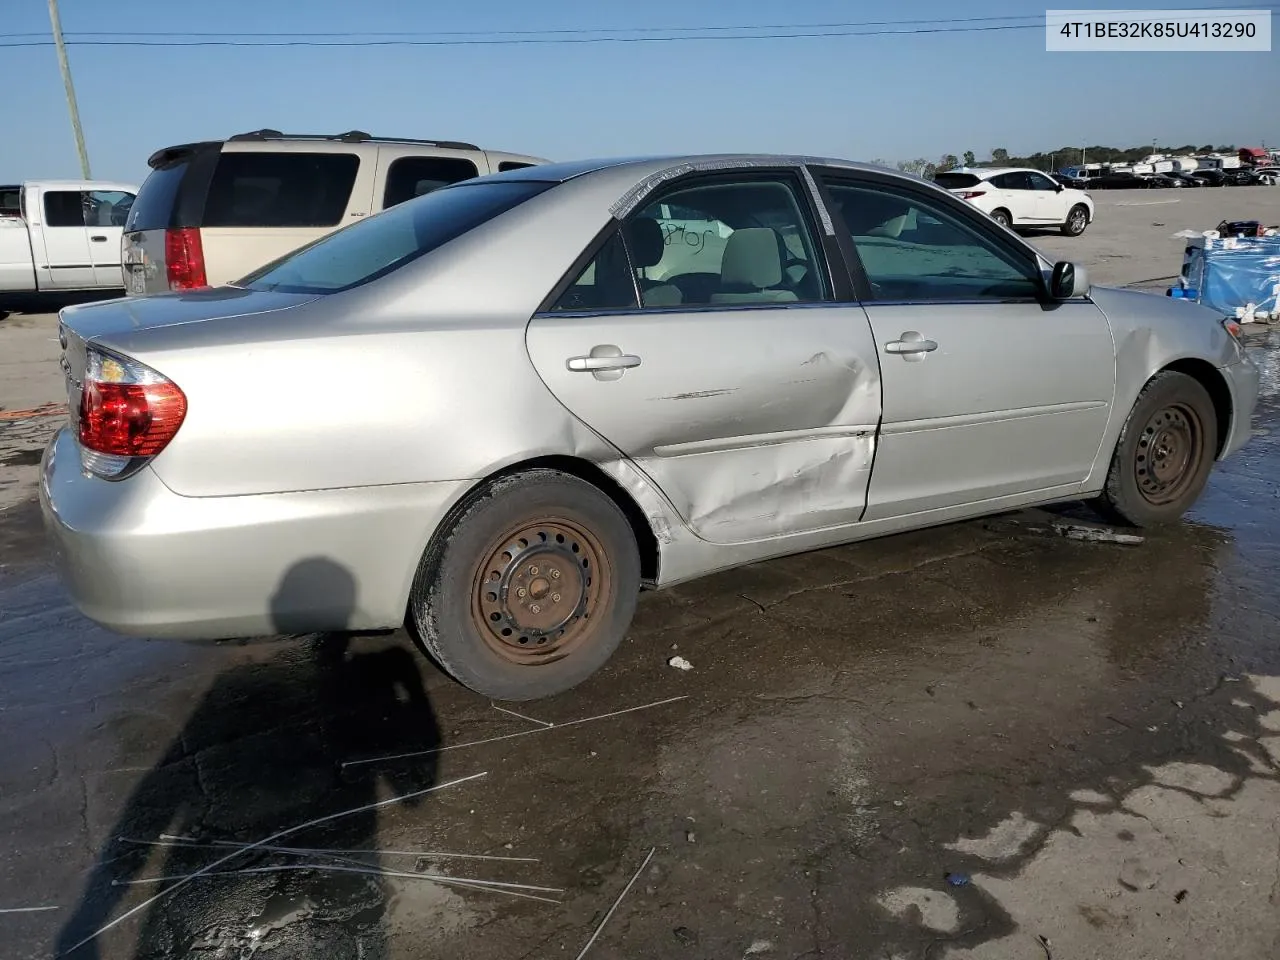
(259, 754)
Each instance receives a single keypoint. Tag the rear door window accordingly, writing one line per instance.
(284, 189)
(410, 177)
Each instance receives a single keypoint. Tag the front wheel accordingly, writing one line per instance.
(530, 589)
(1076, 221)
(1165, 452)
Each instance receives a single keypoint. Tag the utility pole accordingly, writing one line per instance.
(65, 67)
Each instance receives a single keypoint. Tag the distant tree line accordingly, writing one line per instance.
(1052, 160)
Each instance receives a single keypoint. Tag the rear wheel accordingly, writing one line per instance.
(1077, 220)
(531, 589)
(1165, 452)
(1002, 217)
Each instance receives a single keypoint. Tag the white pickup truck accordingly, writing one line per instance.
(60, 241)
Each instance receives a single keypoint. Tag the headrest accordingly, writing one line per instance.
(645, 241)
(752, 259)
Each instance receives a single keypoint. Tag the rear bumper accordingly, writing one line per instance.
(141, 560)
(1242, 380)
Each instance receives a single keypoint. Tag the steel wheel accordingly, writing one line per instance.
(529, 587)
(536, 589)
(1168, 453)
(1164, 453)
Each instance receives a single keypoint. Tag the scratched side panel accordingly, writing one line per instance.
(754, 423)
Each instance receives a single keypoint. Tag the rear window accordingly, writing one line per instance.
(954, 181)
(280, 189)
(154, 206)
(410, 177)
(373, 248)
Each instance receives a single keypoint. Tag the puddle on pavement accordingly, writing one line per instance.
(859, 722)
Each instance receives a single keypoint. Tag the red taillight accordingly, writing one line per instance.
(127, 411)
(184, 259)
(970, 194)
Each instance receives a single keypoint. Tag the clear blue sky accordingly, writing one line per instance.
(892, 97)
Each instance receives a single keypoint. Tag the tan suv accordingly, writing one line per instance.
(210, 213)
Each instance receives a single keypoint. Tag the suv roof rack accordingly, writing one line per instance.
(351, 136)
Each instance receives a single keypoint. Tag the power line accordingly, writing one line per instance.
(522, 41)
(563, 31)
(573, 36)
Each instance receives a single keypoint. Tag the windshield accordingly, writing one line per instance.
(375, 247)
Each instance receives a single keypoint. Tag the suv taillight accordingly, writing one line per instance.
(184, 258)
(128, 414)
(970, 194)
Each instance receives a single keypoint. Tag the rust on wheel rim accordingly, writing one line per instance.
(1168, 454)
(537, 592)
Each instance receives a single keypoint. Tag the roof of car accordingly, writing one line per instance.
(648, 165)
(82, 185)
(993, 171)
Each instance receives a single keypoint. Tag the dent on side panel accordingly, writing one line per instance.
(774, 489)
(753, 485)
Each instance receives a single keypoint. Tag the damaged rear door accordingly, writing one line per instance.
(707, 339)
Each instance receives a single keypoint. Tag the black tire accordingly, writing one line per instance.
(1165, 452)
(1002, 217)
(530, 636)
(1077, 221)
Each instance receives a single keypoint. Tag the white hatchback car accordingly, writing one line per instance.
(1018, 197)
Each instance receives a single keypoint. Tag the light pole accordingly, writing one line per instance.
(65, 67)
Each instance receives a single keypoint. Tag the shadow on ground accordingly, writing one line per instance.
(256, 756)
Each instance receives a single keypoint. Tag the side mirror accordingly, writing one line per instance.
(1058, 187)
(1068, 280)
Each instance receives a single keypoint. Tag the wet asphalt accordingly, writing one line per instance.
(849, 715)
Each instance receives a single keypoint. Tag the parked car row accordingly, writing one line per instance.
(211, 211)
(1241, 177)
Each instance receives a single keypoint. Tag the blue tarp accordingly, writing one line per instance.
(1231, 273)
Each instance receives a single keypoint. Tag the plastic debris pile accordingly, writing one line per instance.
(1234, 269)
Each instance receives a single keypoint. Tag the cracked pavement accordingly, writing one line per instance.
(1088, 732)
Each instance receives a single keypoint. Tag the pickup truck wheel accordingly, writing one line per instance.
(1165, 452)
(1076, 222)
(530, 589)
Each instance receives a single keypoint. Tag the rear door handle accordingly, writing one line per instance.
(911, 346)
(98, 239)
(621, 362)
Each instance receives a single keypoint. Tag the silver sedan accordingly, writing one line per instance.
(495, 413)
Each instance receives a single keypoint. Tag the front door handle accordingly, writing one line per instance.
(620, 362)
(605, 362)
(911, 346)
(98, 239)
